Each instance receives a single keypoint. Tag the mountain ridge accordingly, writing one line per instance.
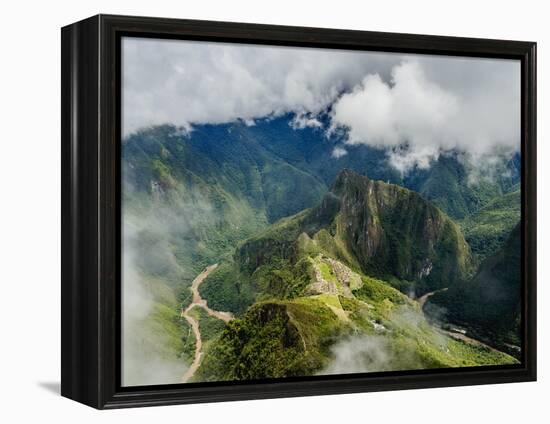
(196, 198)
(359, 215)
(313, 293)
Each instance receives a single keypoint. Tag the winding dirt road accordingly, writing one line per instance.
(199, 302)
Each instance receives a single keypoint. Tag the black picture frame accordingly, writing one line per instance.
(91, 221)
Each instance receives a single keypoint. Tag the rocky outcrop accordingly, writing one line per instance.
(389, 231)
(394, 231)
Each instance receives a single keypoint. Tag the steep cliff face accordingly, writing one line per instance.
(394, 231)
(384, 229)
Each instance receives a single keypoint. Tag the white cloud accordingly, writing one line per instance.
(305, 120)
(416, 106)
(183, 82)
(338, 152)
(417, 118)
(144, 358)
(361, 354)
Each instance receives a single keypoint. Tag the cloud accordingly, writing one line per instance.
(419, 113)
(338, 152)
(145, 359)
(415, 106)
(361, 354)
(303, 120)
(183, 82)
(390, 349)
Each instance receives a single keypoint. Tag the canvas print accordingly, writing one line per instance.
(299, 212)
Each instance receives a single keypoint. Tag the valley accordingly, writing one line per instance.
(321, 265)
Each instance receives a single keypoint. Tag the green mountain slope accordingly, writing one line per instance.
(301, 160)
(451, 183)
(311, 280)
(460, 190)
(335, 313)
(208, 190)
(489, 305)
(219, 184)
(362, 223)
(486, 230)
(191, 198)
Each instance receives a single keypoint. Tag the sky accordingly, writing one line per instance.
(415, 106)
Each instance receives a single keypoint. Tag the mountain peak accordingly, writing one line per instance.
(347, 174)
(346, 178)
(392, 230)
(385, 229)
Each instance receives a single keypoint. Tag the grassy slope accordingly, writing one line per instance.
(487, 230)
(296, 336)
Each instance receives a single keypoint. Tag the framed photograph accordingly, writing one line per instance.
(254, 211)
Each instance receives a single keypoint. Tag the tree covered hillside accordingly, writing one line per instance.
(270, 203)
(316, 288)
(489, 305)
